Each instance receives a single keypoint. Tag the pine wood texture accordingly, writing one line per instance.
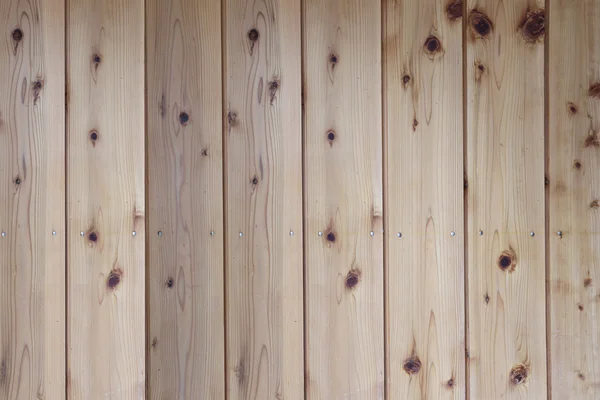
(505, 201)
(32, 200)
(106, 200)
(574, 198)
(263, 197)
(343, 199)
(423, 125)
(185, 197)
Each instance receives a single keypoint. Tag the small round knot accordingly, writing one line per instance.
(333, 58)
(114, 278)
(184, 118)
(480, 24)
(253, 35)
(432, 44)
(94, 136)
(331, 136)
(352, 279)
(93, 236)
(17, 35)
(412, 365)
(169, 283)
(331, 237)
(18, 181)
(519, 374)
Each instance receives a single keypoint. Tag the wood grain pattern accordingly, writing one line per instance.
(32, 200)
(343, 199)
(185, 191)
(423, 127)
(263, 190)
(106, 199)
(574, 195)
(505, 201)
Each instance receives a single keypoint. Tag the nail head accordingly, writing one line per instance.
(159, 233)
(480, 233)
(372, 233)
(532, 233)
(452, 233)
(212, 233)
(399, 234)
(291, 233)
(134, 233)
(53, 233)
(241, 234)
(320, 233)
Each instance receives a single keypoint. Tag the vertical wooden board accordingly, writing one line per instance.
(106, 199)
(32, 200)
(185, 192)
(343, 199)
(263, 190)
(423, 125)
(505, 202)
(574, 198)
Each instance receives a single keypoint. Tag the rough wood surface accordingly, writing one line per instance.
(505, 177)
(106, 200)
(423, 127)
(32, 200)
(263, 190)
(574, 198)
(343, 199)
(185, 200)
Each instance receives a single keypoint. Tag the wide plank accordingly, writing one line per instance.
(423, 128)
(106, 200)
(574, 198)
(263, 199)
(506, 340)
(186, 355)
(343, 199)
(32, 200)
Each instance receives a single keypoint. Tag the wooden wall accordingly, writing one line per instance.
(300, 199)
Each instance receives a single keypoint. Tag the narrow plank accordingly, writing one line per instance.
(263, 196)
(423, 128)
(343, 199)
(185, 200)
(106, 200)
(574, 195)
(32, 200)
(505, 201)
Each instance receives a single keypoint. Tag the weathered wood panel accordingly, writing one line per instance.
(423, 125)
(574, 198)
(32, 200)
(185, 200)
(106, 199)
(263, 190)
(505, 201)
(343, 199)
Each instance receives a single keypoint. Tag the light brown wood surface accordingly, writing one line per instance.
(574, 194)
(263, 199)
(343, 199)
(505, 199)
(423, 125)
(32, 200)
(186, 332)
(106, 199)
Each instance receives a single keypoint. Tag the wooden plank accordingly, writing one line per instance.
(574, 195)
(263, 190)
(32, 200)
(505, 201)
(185, 200)
(106, 200)
(423, 128)
(343, 199)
